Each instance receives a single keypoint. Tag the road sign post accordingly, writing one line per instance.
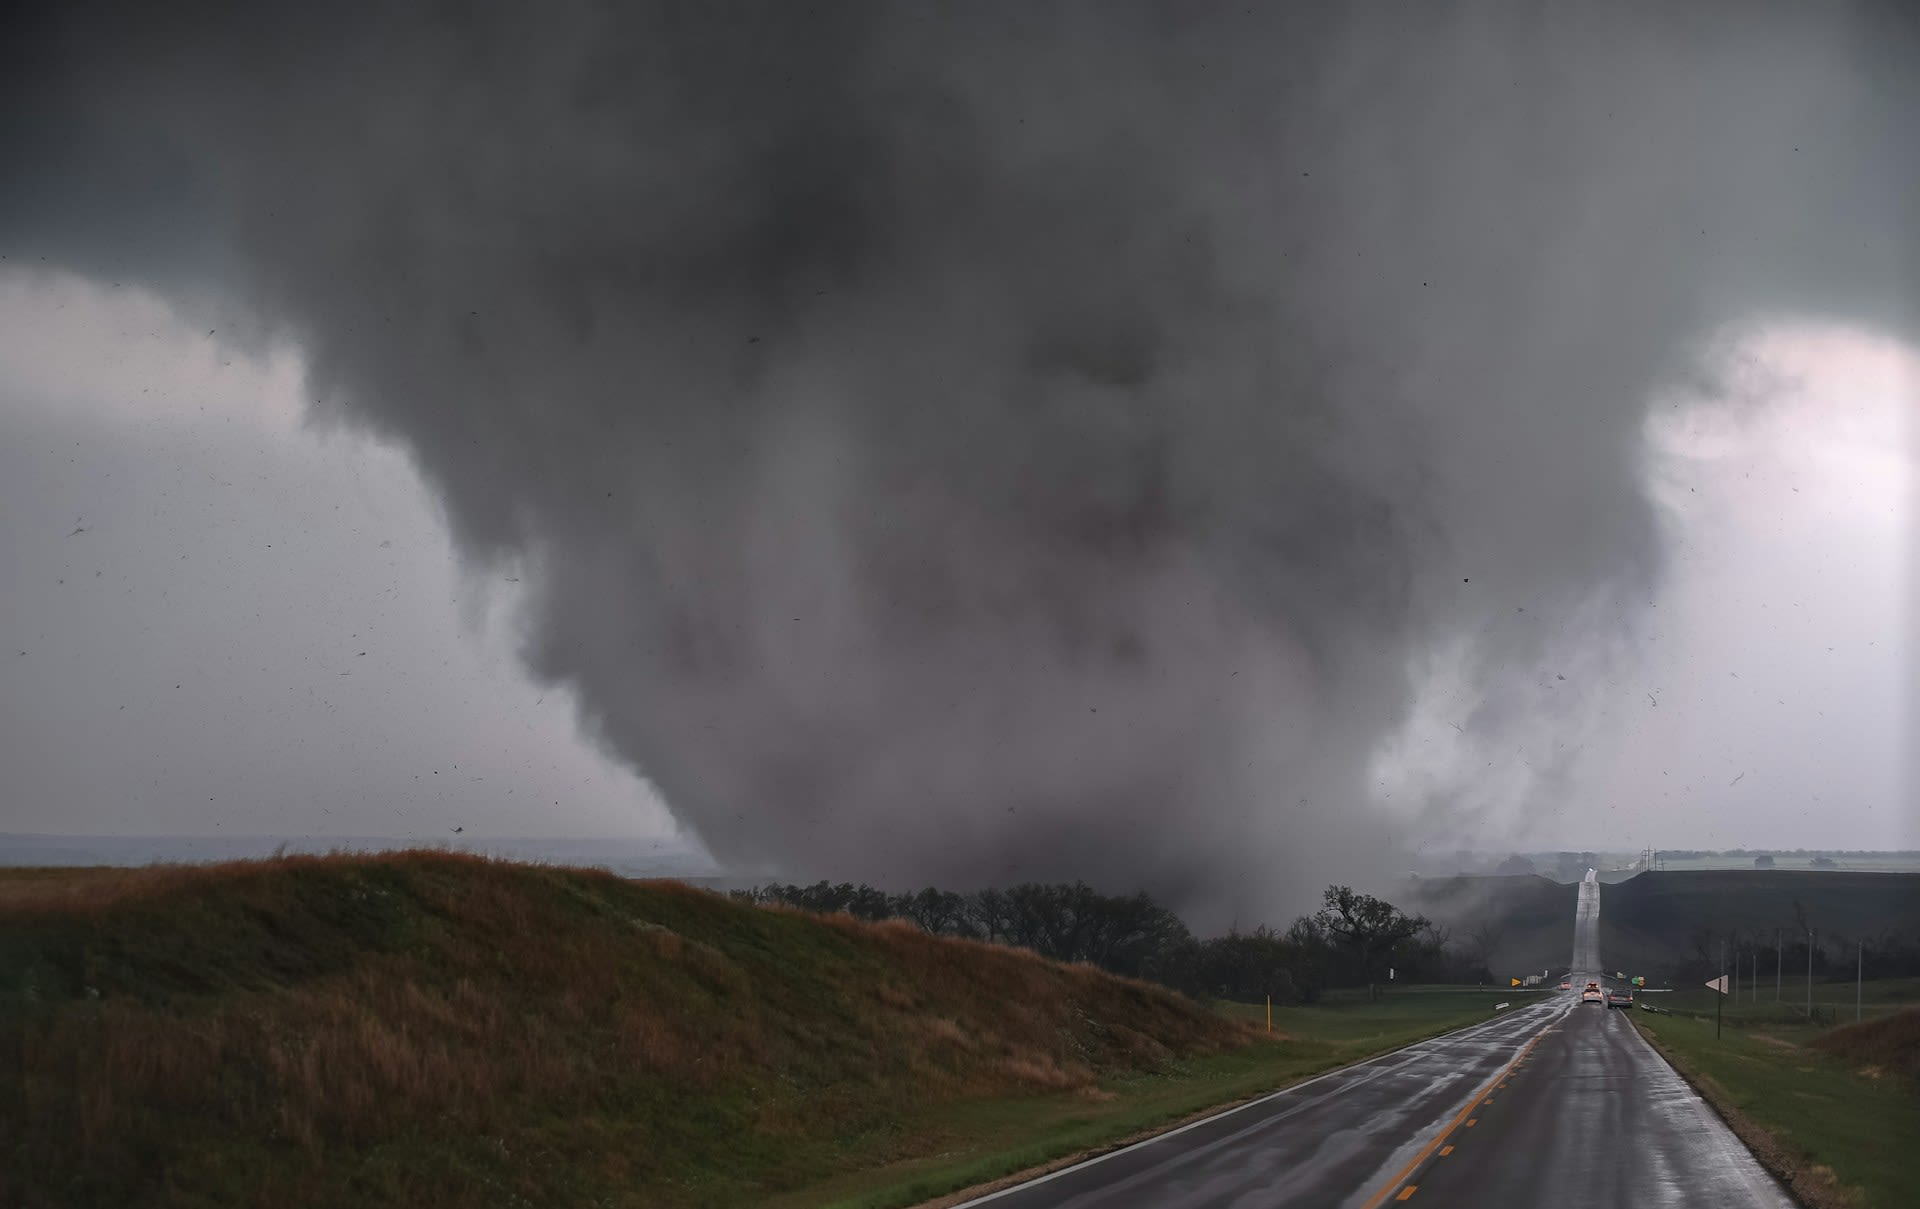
(1720, 985)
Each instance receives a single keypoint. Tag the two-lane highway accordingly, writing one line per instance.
(1555, 1104)
(1586, 932)
(1593, 1116)
(1313, 1144)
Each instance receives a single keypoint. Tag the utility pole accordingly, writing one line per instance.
(1721, 990)
(1859, 968)
(1776, 965)
(1809, 973)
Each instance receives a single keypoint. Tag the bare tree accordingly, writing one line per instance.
(1371, 927)
(1485, 937)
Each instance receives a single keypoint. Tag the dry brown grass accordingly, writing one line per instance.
(88, 891)
(357, 1027)
(1891, 1043)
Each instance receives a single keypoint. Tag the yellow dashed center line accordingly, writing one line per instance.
(1445, 1151)
(1375, 1201)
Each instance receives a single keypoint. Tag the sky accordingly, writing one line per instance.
(1766, 696)
(1199, 450)
(228, 621)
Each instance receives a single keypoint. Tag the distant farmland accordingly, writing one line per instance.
(1845, 862)
(1671, 924)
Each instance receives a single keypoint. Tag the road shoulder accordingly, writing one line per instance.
(1200, 1115)
(1808, 1183)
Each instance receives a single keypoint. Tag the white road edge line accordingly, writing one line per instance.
(1227, 1112)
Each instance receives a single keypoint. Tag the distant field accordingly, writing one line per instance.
(1345, 1017)
(1886, 862)
(1833, 1004)
(1841, 1130)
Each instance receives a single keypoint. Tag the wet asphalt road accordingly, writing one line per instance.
(1554, 1103)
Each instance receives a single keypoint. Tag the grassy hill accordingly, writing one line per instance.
(440, 1029)
(1658, 922)
(1888, 1045)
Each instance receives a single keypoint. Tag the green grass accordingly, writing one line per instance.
(435, 1029)
(987, 1141)
(1843, 1133)
(429, 1029)
(1833, 1004)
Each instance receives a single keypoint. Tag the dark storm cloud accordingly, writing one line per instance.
(962, 442)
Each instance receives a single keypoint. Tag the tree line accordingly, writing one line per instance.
(1351, 941)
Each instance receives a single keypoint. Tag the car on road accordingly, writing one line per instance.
(1566, 986)
(1622, 998)
(1593, 994)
